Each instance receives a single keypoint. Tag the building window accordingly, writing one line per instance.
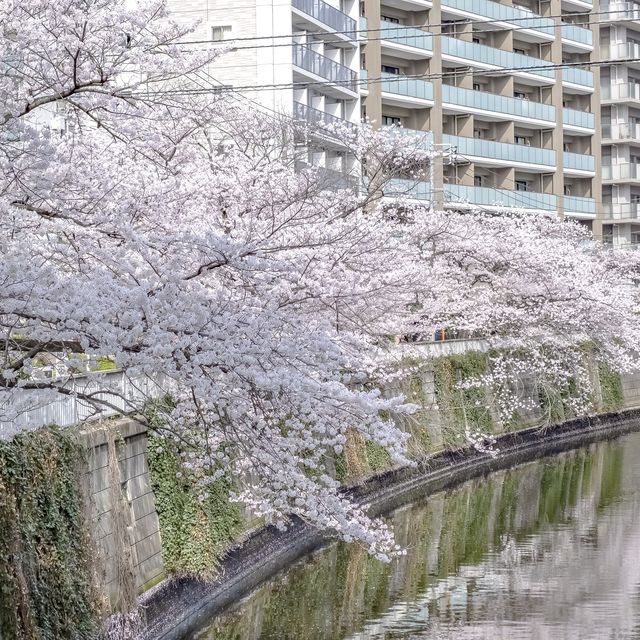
(475, 40)
(387, 69)
(390, 121)
(479, 134)
(567, 190)
(220, 33)
(566, 146)
(391, 19)
(476, 87)
(523, 141)
(477, 181)
(520, 94)
(522, 52)
(521, 185)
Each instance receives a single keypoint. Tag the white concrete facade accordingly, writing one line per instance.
(620, 36)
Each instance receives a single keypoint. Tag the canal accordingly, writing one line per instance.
(549, 550)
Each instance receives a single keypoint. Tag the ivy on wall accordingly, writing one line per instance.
(47, 589)
(195, 525)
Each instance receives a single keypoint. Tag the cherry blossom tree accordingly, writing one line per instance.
(152, 219)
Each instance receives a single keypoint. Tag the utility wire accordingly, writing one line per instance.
(356, 32)
(349, 83)
(382, 38)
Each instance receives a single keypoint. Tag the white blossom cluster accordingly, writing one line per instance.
(168, 228)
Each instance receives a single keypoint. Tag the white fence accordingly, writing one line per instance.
(33, 408)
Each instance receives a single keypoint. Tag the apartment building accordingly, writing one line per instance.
(481, 80)
(620, 38)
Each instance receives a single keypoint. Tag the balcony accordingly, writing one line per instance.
(482, 56)
(326, 123)
(406, 42)
(420, 139)
(577, 35)
(498, 198)
(619, 12)
(579, 162)
(408, 188)
(622, 51)
(579, 77)
(514, 17)
(621, 131)
(624, 171)
(325, 14)
(315, 63)
(627, 211)
(578, 119)
(403, 90)
(501, 107)
(623, 91)
(579, 205)
(501, 153)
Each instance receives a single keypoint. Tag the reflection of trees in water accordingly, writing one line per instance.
(492, 549)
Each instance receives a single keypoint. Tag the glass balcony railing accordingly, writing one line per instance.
(401, 85)
(490, 149)
(521, 18)
(624, 171)
(621, 210)
(408, 36)
(421, 139)
(575, 75)
(320, 65)
(498, 57)
(621, 131)
(578, 204)
(408, 188)
(325, 13)
(492, 197)
(500, 104)
(626, 90)
(576, 33)
(621, 51)
(575, 118)
(579, 161)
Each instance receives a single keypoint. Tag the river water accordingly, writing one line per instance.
(547, 551)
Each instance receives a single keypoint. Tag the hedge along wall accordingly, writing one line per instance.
(48, 586)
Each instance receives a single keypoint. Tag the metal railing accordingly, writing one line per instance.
(319, 118)
(314, 62)
(35, 408)
(576, 33)
(401, 85)
(494, 197)
(325, 13)
(575, 75)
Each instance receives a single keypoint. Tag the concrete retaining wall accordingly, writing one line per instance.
(124, 490)
(119, 490)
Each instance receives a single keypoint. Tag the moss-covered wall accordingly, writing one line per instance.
(47, 580)
(197, 522)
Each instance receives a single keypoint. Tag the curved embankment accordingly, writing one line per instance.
(175, 607)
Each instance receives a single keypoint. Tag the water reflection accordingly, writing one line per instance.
(548, 551)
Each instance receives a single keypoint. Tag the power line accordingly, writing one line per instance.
(357, 31)
(424, 76)
(379, 39)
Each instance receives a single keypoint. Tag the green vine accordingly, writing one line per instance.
(47, 590)
(196, 523)
(611, 388)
